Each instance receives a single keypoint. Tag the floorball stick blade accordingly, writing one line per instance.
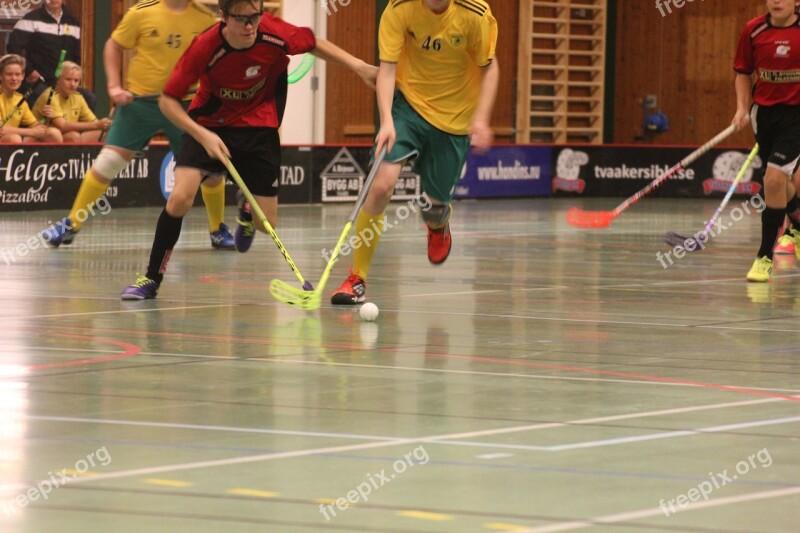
(690, 244)
(589, 219)
(291, 295)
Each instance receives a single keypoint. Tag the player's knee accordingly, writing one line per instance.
(179, 202)
(108, 164)
(437, 215)
(382, 190)
(72, 137)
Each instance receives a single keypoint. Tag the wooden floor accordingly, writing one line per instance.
(544, 378)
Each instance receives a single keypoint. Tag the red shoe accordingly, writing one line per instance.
(439, 244)
(352, 291)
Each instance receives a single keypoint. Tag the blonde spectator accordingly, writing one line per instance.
(68, 110)
(18, 123)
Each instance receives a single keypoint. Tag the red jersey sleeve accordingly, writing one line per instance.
(298, 40)
(187, 71)
(744, 63)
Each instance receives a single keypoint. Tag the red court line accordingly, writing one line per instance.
(645, 377)
(216, 279)
(129, 350)
(577, 369)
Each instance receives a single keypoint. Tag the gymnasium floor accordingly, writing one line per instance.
(544, 379)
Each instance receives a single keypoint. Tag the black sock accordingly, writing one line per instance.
(793, 212)
(167, 232)
(771, 223)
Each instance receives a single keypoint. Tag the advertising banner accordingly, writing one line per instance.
(507, 171)
(621, 171)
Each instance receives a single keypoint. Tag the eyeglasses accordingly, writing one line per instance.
(244, 20)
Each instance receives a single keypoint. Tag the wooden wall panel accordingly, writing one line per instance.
(83, 10)
(504, 120)
(350, 108)
(350, 105)
(684, 58)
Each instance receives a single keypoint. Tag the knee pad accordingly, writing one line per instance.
(109, 163)
(437, 216)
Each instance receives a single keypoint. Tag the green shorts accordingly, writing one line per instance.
(438, 157)
(136, 123)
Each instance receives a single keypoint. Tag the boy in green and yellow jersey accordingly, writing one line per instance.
(159, 31)
(436, 88)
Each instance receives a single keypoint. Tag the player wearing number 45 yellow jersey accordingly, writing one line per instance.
(158, 31)
(436, 88)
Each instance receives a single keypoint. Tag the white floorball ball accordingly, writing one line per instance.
(369, 312)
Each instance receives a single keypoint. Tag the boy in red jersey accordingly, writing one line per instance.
(770, 47)
(241, 65)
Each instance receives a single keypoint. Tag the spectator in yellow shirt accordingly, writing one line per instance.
(68, 110)
(18, 123)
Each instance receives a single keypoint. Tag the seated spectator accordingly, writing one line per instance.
(18, 123)
(68, 110)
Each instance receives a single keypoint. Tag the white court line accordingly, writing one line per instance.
(475, 373)
(148, 471)
(647, 513)
(624, 440)
(122, 311)
(171, 425)
(435, 370)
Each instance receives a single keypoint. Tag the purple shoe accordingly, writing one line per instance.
(143, 289)
(246, 230)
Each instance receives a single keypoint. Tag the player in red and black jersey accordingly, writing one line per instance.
(241, 66)
(769, 47)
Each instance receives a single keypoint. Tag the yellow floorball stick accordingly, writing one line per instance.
(260, 214)
(310, 300)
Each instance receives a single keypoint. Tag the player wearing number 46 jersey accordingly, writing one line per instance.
(769, 46)
(158, 31)
(436, 89)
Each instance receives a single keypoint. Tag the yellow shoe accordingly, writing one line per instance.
(785, 245)
(796, 238)
(761, 270)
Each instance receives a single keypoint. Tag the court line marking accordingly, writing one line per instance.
(630, 439)
(129, 350)
(383, 441)
(647, 513)
(420, 369)
(121, 311)
(175, 467)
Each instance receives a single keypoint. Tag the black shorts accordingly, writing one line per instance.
(255, 152)
(777, 130)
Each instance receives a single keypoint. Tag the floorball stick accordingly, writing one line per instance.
(602, 219)
(698, 240)
(259, 213)
(310, 300)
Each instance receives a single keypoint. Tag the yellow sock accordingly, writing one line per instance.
(368, 230)
(91, 190)
(214, 198)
